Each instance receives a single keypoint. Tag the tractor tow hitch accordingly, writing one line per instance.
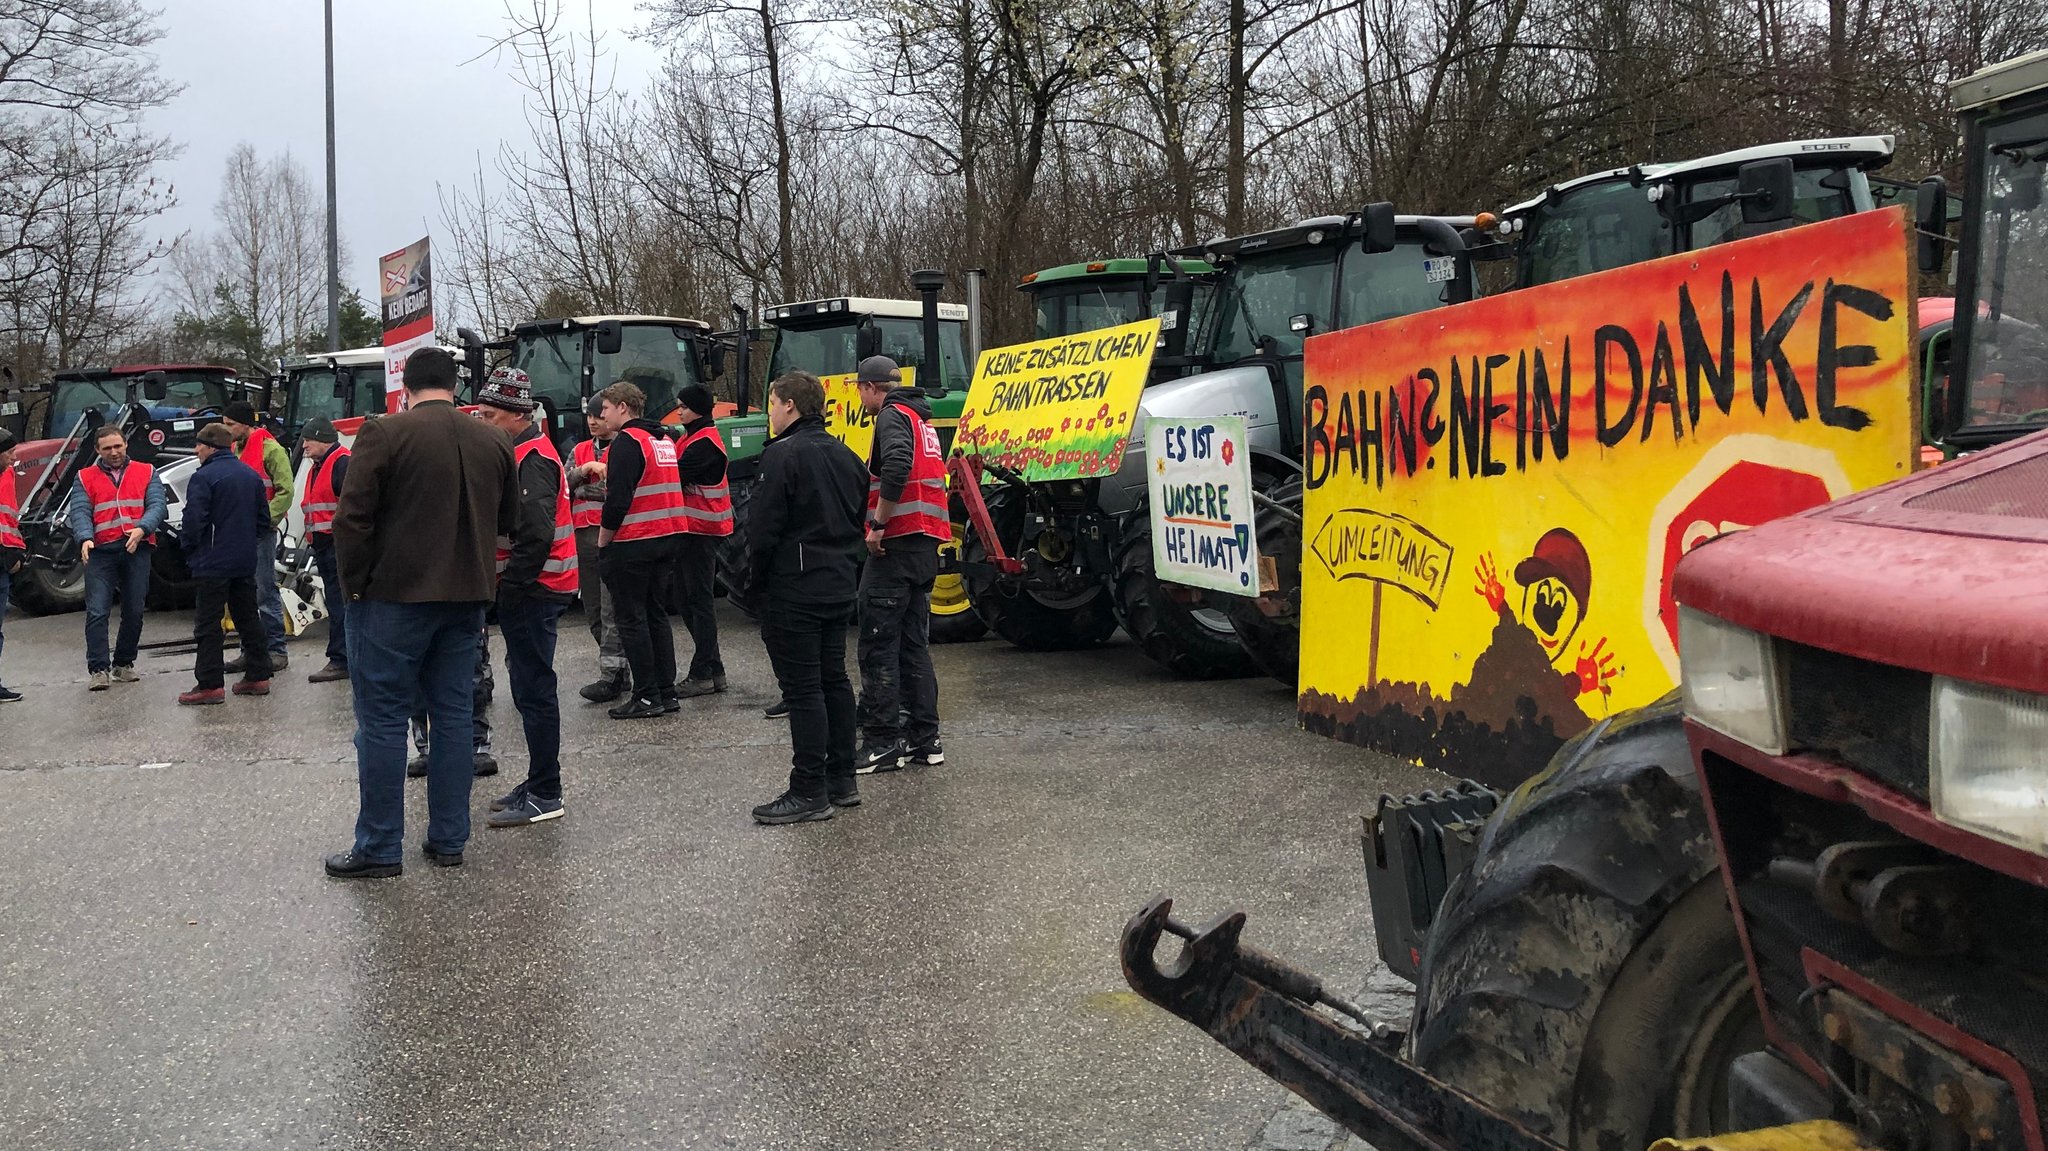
(1264, 1009)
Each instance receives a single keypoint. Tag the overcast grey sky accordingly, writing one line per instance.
(409, 113)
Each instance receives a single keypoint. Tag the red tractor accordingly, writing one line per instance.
(1802, 902)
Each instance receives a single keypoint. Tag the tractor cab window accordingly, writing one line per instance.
(668, 354)
(184, 395)
(554, 362)
(1817, 194)
(1382, 285)
(1083, 307)
(903, 341)
(821, 351)
(831, 349)
(312, 394)
(2008, 352)
(1266, 293)
(1591, 229)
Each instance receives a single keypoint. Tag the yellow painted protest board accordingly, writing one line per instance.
(1059, 409)
(848, 422)
(1497, 493)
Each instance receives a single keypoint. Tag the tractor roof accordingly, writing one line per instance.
(578, 323)
(837, 307)
(1858, 151)
(347, 358)
(119, 370)
(1310, 231)
(1124, 268)
(1939, 572)
(2002, 81)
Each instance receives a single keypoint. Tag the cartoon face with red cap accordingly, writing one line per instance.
(1557, 584)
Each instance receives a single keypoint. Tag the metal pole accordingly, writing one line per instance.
(974, 278)
(333, 226)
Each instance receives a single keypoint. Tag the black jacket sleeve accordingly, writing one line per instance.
(894, 452)
(768, 514)
(340, 469)
(701, 463)
(623, 466)
(538, 477)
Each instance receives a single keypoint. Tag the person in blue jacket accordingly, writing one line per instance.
(226, 511)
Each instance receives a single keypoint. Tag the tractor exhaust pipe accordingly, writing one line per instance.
(931, 379)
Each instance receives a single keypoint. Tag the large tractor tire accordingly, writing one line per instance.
(953, 616)
(1191, 640)
(734, 562)
(1028, 619)
(1273, 642)
(44, 590)
(1584, 976)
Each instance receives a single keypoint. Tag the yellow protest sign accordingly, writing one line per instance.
(1059, 409)
(848, 422)
(1497, 493)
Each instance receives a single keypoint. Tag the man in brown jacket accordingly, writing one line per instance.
(429, 492)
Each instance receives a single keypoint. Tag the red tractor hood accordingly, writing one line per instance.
(30, 458)
(1943, 572)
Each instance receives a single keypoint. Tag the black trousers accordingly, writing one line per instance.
(899, 693)
(634, 573)
(238, 596)
(696, 568)
(807, 646)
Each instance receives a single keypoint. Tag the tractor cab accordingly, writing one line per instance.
(1628, 215)
(572, 359)
(832, 336)
(1074, 298)
(345, 385)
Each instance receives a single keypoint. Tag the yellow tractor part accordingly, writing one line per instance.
(1819, 1135)
(949, 591)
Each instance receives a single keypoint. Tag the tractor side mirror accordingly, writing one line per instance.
(154, 389)
(1301, 324)
(867, 341)
(1179, 303)
(715, 357)
(1765, 187)
(1930, 223)
(611, 336)
(1378, 222)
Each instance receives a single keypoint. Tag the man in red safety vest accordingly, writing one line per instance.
(536, 583)
(587, 490)
(116, 507)
(638, 529)
(707, 520)
(268, 458)
(907, 520)
(13, 550)
(322, 445)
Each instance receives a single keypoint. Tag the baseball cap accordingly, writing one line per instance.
(878, 370)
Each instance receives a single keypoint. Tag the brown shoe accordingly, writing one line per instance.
(203, 695)
(252, 687)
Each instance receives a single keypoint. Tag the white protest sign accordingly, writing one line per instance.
(1202, 513)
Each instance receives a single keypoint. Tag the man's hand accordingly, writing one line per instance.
(134, 539)
(604, 537)
(874, 541)
(85, 551)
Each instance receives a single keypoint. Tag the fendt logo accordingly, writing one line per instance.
(1742, 482)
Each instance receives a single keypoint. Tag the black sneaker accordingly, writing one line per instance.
(530, 809)
(777, 710)
(9, 696)
(484, 763)
(639, 707)
(509, 799)
(880, 757)
(691, 688)
(850, 797)
(793, 808)
(928, 753)
(605, 690)
(416, 767)
(441, 858)
(349, 865)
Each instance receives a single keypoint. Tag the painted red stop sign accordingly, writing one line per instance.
(1744, 496)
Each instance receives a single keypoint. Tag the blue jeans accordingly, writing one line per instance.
(337, 603)
(401, 654)
(529, 629)
(109, 569)
(269, 605)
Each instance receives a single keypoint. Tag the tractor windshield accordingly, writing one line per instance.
(657, 351)
(554, 362)
(1263, 296)
(185, 393)
(1083, 306)
(312, 393)
(2008, 332)
(828, 349)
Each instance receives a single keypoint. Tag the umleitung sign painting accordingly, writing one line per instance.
(1497, 493)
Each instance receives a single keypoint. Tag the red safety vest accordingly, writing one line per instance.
(707, 508)
(921, 510)
(252, 454)
(586, 513)
(657, 507)
(321, 498)
(10, 514)
(116, 509)
(559, 573)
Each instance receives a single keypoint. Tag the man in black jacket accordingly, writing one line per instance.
(707, 520)
(804, 532)
(638, 527)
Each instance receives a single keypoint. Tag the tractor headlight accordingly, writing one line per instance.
(1988, 762)
(1731, 680)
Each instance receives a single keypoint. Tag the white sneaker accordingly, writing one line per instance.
(101, 681)
(125, 673)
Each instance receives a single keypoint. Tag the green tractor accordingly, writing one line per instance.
(571, 360)
(829, 337)
(1076, 298)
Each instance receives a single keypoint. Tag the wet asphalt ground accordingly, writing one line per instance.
(935, 969)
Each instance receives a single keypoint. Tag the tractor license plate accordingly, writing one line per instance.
(10, 408)
(1439, 269)
(183, 425)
